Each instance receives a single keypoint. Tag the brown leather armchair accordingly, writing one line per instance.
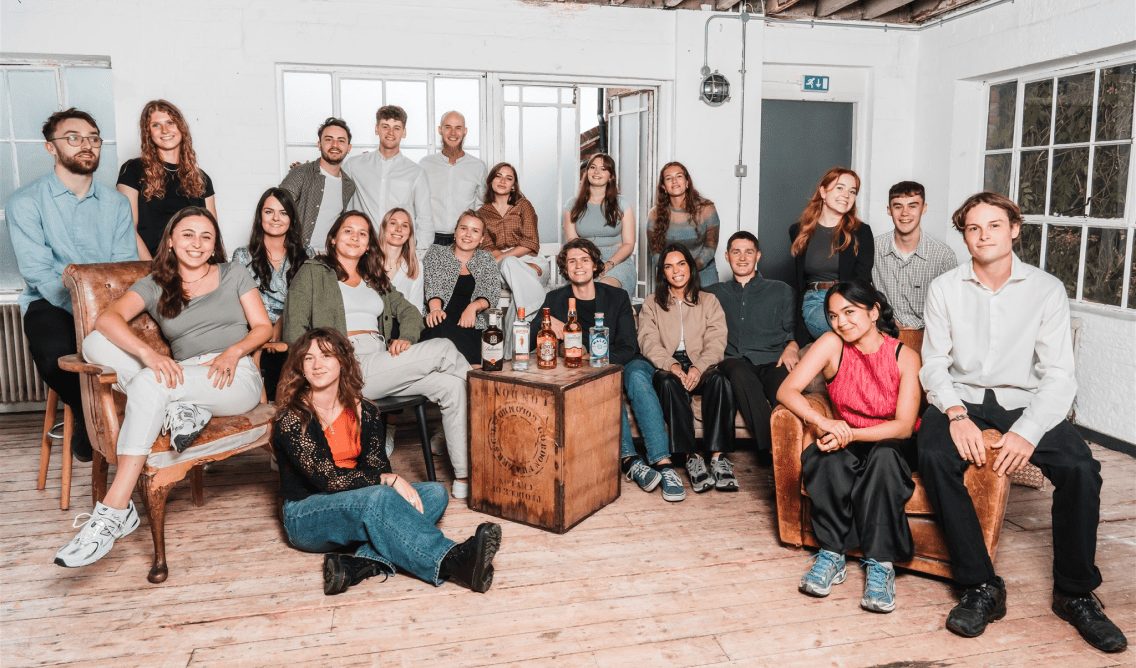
(790, 438)
(93, 288)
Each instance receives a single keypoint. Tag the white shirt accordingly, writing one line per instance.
(411, 288)
(453, 188)
(330, 208)
(381, 185)
(1015, 341)
(362, 306)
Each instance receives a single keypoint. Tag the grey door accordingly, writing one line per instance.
(800, 141)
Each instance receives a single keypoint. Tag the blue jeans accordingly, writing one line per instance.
(381, 523)
(816, 320)
(648, 413)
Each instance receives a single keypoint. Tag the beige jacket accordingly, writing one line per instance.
(704, 325)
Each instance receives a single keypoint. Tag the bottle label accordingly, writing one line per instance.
(521, 337)
(599, 345)
(548, 349)
(573, 340)
(492, 352)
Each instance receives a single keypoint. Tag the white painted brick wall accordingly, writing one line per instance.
(1106, 374)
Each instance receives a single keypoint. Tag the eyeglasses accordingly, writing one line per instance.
(77, 140)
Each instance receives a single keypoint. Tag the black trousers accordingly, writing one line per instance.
(755, 391)
(857, 495)
(443, 239)
(50, 332)
(1064, 458)
(718, 410)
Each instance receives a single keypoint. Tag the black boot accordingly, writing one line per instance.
(978, 607)
(1085, 615)
(80, 444)
(471, 563)
(341, 571)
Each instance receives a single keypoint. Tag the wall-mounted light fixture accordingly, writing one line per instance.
(715, 89)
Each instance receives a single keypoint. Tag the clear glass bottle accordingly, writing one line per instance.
(598, 342)
(493, 343)
(521, 340)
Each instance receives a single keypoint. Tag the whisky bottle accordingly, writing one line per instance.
(521, 339)
(493, 343)
(573, 338)
(546, 342)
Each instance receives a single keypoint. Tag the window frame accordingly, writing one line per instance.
(1045, 220)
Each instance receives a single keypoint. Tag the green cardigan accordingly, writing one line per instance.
(314, 301)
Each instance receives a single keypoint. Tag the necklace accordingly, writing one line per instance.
(198, 280)
(172, 171)
(321, 412)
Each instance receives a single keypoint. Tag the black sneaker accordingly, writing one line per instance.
(341, 571)
(1085, 615)
(471, 563)
(81, 445)
(978, 607)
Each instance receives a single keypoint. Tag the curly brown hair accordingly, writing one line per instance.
(164, 266)
(586, 245)
(849, 222)
(692, 203)
(294, 391)
(370, 265)
(191, 178)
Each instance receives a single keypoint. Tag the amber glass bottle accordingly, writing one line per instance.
(546, 342)
(573, 338)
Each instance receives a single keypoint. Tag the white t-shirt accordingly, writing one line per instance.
(411, 288)
(362, 305)
(330, 208)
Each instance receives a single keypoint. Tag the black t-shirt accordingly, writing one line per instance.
(153, 215)
(586, 314)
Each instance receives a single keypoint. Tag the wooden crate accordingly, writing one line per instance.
(544, 444)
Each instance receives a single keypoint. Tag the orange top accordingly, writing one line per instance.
(343, 438)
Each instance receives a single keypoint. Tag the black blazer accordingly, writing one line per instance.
(619, 318)
(853, 266)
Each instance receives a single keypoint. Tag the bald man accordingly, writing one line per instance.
(456, 179)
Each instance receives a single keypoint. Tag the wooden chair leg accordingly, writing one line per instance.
(99, 471)
(424, 434)
(196, 485)
(68, 431)
(156, 512)
(45, 444)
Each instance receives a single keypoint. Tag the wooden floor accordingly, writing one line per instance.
(641, 583)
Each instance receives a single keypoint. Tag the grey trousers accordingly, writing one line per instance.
(528, 293)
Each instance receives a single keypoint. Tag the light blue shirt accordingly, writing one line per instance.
(52, 228)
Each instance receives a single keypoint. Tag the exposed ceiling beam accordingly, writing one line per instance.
(670, 3)
(921, 7)
(920, 14)
(780, 6)
(724, 5)
(828, 7)
(876, 8)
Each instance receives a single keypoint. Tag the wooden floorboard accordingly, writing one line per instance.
(640, 583)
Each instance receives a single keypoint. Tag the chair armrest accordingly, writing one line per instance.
(989, 493)
(76, 364)
(790, 438)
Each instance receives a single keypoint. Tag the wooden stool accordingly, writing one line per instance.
(45, 447)
(418, 403)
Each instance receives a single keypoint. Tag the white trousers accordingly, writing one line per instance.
(431, 368)
(528, 292)
(147, 398)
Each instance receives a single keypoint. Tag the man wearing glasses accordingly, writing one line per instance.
(65, 217)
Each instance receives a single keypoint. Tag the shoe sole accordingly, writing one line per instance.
(126, 532)
(821, 593)
(650, 486)
(878, 608)
(999, 613)
(674, 498)
(704, 486)
(488, 542)
(1057, 610)
(181, 443)
(726, 486)
(334, 575)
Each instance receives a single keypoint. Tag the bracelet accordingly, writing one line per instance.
(960, 417)
(437, 310)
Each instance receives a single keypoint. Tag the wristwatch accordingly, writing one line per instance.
(960, 417)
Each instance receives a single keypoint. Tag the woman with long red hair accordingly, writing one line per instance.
(830, 244)
(166, 178)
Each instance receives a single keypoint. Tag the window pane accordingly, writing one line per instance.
(7, 173)
(1032, 182)
(539, 94)
(1074, 108)
(4, 121)
(1028, 245)
(464, 96)
(108, 165)
(1114, 108)
(91, 89)
(1000, 119)
(307, 102)
(996, 176)
(1037, 112)
(415, 154)
(1063, 254)
(1110, 181)
(1070, 180)
(541, 134)
(512, 94)
(34, 161)
(411, 96)
(589, 108)
(34, 98)
(512, 137)
(10, 278)
(1104, 265)
(301, 154)
(359, 99)
(1132, 284)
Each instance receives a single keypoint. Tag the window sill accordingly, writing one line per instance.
(1107, 311)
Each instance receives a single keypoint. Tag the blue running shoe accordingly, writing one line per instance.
(828, 569)
(879, 587)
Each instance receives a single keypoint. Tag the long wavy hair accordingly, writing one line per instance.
(370, 265)
(844, 234)
(610, 206)
(515, 196)
(294, 392)
(293, 240)
(864, 295)
(191, 178)
(164, 266)
(692, 203)
(406, 256)
(663, 286)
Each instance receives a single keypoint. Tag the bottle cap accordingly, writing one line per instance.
(521, 312)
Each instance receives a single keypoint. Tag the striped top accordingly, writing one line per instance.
(865, 389)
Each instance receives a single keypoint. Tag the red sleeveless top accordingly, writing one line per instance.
(865, 390)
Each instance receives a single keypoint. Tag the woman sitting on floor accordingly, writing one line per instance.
(348, 290)
(857, 474)
(338, 488)
(211, 314)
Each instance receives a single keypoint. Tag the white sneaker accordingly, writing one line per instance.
(438, 442)
(99, 531)
(184, 422)
(389, 443)
(461, 490)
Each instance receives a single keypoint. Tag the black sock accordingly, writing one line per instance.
(626, 464)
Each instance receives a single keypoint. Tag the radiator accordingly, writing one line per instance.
(19, 381)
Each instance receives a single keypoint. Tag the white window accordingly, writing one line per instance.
(1060, 144)
(31, 90)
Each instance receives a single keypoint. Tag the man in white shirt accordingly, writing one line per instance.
(456, 179)
(998, 354)
(321, 190)
(385, 178)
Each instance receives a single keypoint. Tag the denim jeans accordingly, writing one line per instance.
(648, 413)
(381, 523)
(816, 320)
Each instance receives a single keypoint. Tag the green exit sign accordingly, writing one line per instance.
(814, 84)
